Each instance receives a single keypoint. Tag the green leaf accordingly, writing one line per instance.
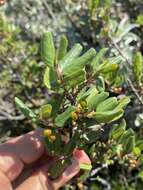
(94, 99)
(63, 117)
(129, 144)
(85, 166)
(50, 78)
(118, 130)
(24, 109)
(49, 146)
(79, 63)
(100, 83)
(136, 151)
(89, 93)
(123, 102)
(99, 58)
(45, 111)
(83, 94)
(71, 145)
(46, 78)
(125, 136)
(118, 149)
(76, 78)
(140, 175)
(70, 56)
(138, 67)
(58, 145)
(58, 167)
(108, 104)
(62, 48)
(108, 67)
(56, 102)
(140, 19)
(108, 116)
(84, 176)
(139, 144)
(48, 49)
(93, 5)
(92, 92)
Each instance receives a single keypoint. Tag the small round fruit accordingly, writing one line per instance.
(78, 108)
(74, 116)
(59, 81)
(52, 138)
(47, 132)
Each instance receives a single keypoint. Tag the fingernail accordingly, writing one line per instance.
(81, 156)
(78, 154)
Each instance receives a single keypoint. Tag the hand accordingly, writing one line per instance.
(24, 164)
(2, 2)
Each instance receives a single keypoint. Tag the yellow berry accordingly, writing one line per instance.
(52, 138)
(80, 185)
(78, 108)
(74, 116)
(47, 132)
(59, 81)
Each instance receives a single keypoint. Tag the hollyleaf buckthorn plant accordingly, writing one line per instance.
(79, 104)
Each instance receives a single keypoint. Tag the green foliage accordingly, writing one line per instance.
(93, 83)
(48, 49)
(138, 67)
(62, 48)
(45, 111)
(140, 19)
(91, 105)
(63, 117)
(24, 109)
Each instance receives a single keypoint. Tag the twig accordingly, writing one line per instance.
(12, 118)
(69, 96)
(104, 182)
(120, 51)
(135, 91)
(50, 13)
(96, 170)
(7, 116)
(130, 63)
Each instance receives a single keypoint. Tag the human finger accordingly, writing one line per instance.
(22, 150)
(40, 180)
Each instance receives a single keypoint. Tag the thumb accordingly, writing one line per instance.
(40, 180)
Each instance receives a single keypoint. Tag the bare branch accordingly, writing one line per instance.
(130, 63)
(6, 116)
(98, 169)
(49, 11)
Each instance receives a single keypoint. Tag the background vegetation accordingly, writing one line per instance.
(113, 26)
